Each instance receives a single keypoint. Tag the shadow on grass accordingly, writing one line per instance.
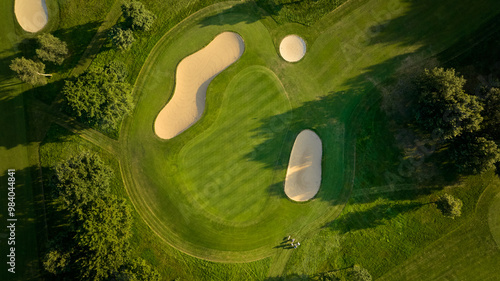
(29, 211)
(246, 12)
(78, 38)
(370, 218)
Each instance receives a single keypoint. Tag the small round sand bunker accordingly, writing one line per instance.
(292, 48)
(303, 176)
(194, 74)
(31, 15)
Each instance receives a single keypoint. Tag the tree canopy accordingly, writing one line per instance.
(122, 38)
(51, 48)
(95, 244)
(82, 179)
(474, 155)
(29, 71)
(137, 16)
(100, 95)
(102, 238)
(492, 113)
(444, 105)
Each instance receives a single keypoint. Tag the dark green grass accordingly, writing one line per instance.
(303, 12)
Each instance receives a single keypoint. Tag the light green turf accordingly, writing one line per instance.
(213, 175)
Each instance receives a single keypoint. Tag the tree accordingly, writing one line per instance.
(51, 48)
(82, 179)
(443, 104)
(358, 273)
(56, 262)
(474, 155)
(491, 113)
(100, 96)
(137, 270)
(449, 205)
(122, 39)
(137, 16)
(103, 237)
(29, 71)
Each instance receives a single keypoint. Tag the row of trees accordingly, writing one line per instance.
(95, 243)
(467, 125)
(135, 18)
(50, 49)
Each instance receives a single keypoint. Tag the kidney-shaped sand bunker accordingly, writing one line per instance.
(31, 15)
(194, 74)
(303, 176)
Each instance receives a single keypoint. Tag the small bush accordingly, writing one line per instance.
(450, 206)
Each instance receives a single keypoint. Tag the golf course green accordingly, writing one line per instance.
(208, 193)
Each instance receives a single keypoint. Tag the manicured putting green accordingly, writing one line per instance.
(217, 166)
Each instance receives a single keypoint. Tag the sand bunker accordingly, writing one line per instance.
(292, 48)
(31, 15)
(194, 74)
(303, 176)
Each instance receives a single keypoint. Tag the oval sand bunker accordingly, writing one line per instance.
(303, 176)
(292, 48)
(194, 74)
(31, 15)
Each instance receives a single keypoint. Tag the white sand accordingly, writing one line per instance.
(292, 48)
(194, 74)
(303, 176)
(31, 15)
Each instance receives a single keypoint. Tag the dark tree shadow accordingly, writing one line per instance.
(78, 38)
(29, 213)
(246, 12)
(370, 218)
